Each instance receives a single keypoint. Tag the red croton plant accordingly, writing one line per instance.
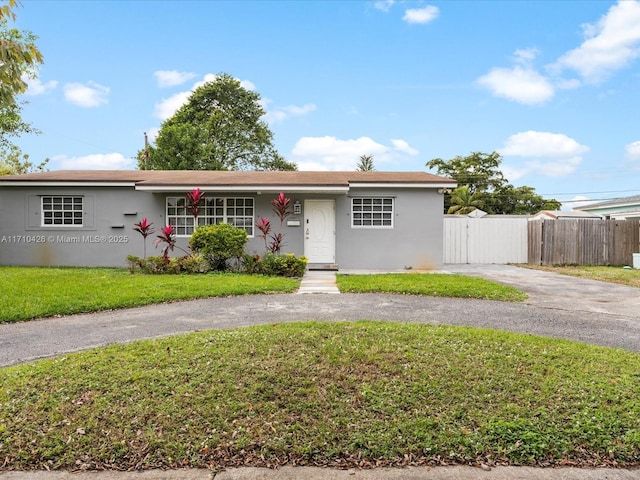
(280, 206)
(194, 197)
(144, 228)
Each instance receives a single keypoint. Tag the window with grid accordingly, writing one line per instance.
(62, 211)
(372, 212)
(238, 212)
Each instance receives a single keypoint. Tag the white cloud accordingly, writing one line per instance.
(421, 15)
(36, 87)
(98, 161)
(548, 154)
(633, 151)
(525, 56)
(403, 146)
(520, 84)
(579, 201)
(168, 106)
(333, 154)
(384, 5)
(281, 114)
(609, 45)
(152, 134)
(90, 95)
(171, 78)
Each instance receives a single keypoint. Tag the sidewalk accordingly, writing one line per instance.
(313, 473)
(319, 281)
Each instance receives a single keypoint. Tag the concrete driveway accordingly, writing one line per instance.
(559, 306)
(560, 292)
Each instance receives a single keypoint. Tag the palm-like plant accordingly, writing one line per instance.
(463, 201)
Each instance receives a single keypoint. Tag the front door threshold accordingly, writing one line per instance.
(322, 266)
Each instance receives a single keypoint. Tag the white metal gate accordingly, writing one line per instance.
(490, 239)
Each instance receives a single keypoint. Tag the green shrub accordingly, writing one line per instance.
(195, 263)
(286, 265)
(219, 244)
(158, 265)
(250, 263)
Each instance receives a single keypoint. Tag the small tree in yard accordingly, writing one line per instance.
(194, 198)
(145, 229)
(280, 206)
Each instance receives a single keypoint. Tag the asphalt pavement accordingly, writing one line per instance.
(558, 306)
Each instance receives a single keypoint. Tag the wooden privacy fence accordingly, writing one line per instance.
(583, 242)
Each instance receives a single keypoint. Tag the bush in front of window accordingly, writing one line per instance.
(220, 244)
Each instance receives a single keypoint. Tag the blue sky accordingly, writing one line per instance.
(554, 86)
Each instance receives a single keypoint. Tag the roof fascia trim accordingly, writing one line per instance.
(244, 188)
(403, 185)
(51, 183)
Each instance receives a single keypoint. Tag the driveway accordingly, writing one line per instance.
(559, 306)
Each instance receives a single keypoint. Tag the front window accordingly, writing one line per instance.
(372, 212)
(62, 211)
(238, 212)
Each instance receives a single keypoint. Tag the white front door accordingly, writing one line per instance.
(320, 231)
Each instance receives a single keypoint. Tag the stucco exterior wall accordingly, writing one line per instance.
(107, 235)
(105, 239)
(414, 242)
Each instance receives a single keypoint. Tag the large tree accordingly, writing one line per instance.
(19, 56)
(481, 173)
(219, 128)
(14, 162)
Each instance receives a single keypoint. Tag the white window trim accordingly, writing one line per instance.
(62, 225)
(225, 217)
(374, 227)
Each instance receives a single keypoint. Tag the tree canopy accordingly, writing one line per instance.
(219, 128)
(19, 56)
(366, 164)
(481, 174)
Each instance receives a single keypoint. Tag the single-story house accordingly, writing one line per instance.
(615, 209)
(346, 220)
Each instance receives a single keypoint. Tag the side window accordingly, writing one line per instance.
(62, 211)
(372, 212)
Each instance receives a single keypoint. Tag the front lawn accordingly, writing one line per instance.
(33, 292)
(432, 284)
(347, 394)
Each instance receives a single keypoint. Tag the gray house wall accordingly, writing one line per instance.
(107, 235)
(415, 241)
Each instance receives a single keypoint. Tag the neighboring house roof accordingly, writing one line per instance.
(560, 214)
(616, 202)
(158, 180)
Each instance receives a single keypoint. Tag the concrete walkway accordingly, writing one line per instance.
(319, 281)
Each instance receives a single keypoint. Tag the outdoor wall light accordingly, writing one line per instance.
(297, 208)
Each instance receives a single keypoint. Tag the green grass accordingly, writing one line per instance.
(433, 284)
(336, 394)
(40, 292)
(630, 277)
